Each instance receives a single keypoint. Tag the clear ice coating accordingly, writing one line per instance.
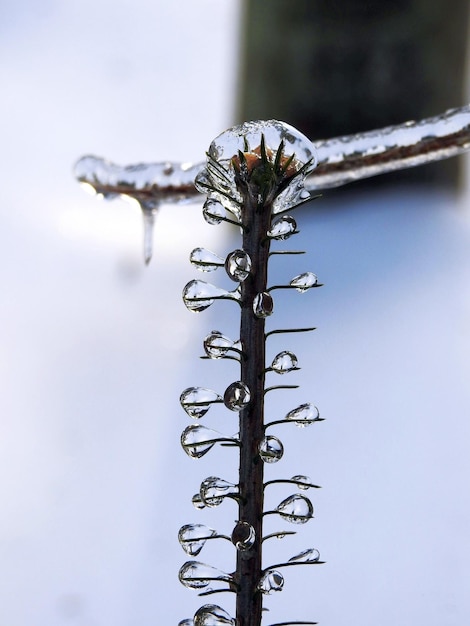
(270, 582)
(312, 555)
(270, 449)
(304, 281)
(238, 265)
(296, 509)
(192, 537)
(213, 490)
(341, 160)
(303, 482)
(243, 536)
(199, 295)
(282, 228)
(213, 615)
(196, 575)
(240, 150)
(216, 345)
(304, 415)
(263, 305)
(197, 440)
(196, 401)
(284, 362)
(205, 260)
(148, 185)
(237, 396)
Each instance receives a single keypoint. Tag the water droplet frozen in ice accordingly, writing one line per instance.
(196, 575)
(199, 295)
(283, 228)
(271, 449)
(304, 281)
(197, 440)
(216, 345)
(263, 305)
(192, 537)
(197, 502)
(284, 362)
(303, 482)
(270, 582)
(213, 212)
(213, 615)
(196, 401)
(312, 555)
(243, 536)
(205, 260)
(237, 396)
(238, 265)
(304, 415)
(213, 490)
(296, 509)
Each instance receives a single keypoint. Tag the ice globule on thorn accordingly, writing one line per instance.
(270, 582)
(199, 295)
(296, 509)
(271, 449)
(243, 536)
(284, 362)
(216, 345)
(196, 401)
(213, 615)
(197, 440)
(205, 260)
(304, 415)
(196, 575)
(193, 537)
(213, 490)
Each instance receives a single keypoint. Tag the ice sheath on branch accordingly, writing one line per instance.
(254, 174)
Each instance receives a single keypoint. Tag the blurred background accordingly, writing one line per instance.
(96, 348)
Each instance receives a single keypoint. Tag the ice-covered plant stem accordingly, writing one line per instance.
(254, 174)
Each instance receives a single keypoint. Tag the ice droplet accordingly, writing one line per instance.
(197, 440)
(238, 265)
(263, 305)
(199, 295)
(304, 415)
(216, 345)
(213, 615)
(237, 396)
(270, 582)
(312, 555)
(196, 575)
(303, 482)
(196, 401)
(213, 490)
(197, 502)
(205, 260)
(243, 536)
(284, 362)
(213, 212)
(271, 449)
(283, 228)
(304, 281)
(186, 622)
(192, 537)
(296, 509)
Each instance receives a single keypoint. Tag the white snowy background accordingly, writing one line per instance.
(95, 348)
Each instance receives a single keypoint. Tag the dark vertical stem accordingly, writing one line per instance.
(256, 222)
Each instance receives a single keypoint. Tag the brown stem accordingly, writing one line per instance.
(256, 222)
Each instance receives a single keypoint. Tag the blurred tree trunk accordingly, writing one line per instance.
(333, 67)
